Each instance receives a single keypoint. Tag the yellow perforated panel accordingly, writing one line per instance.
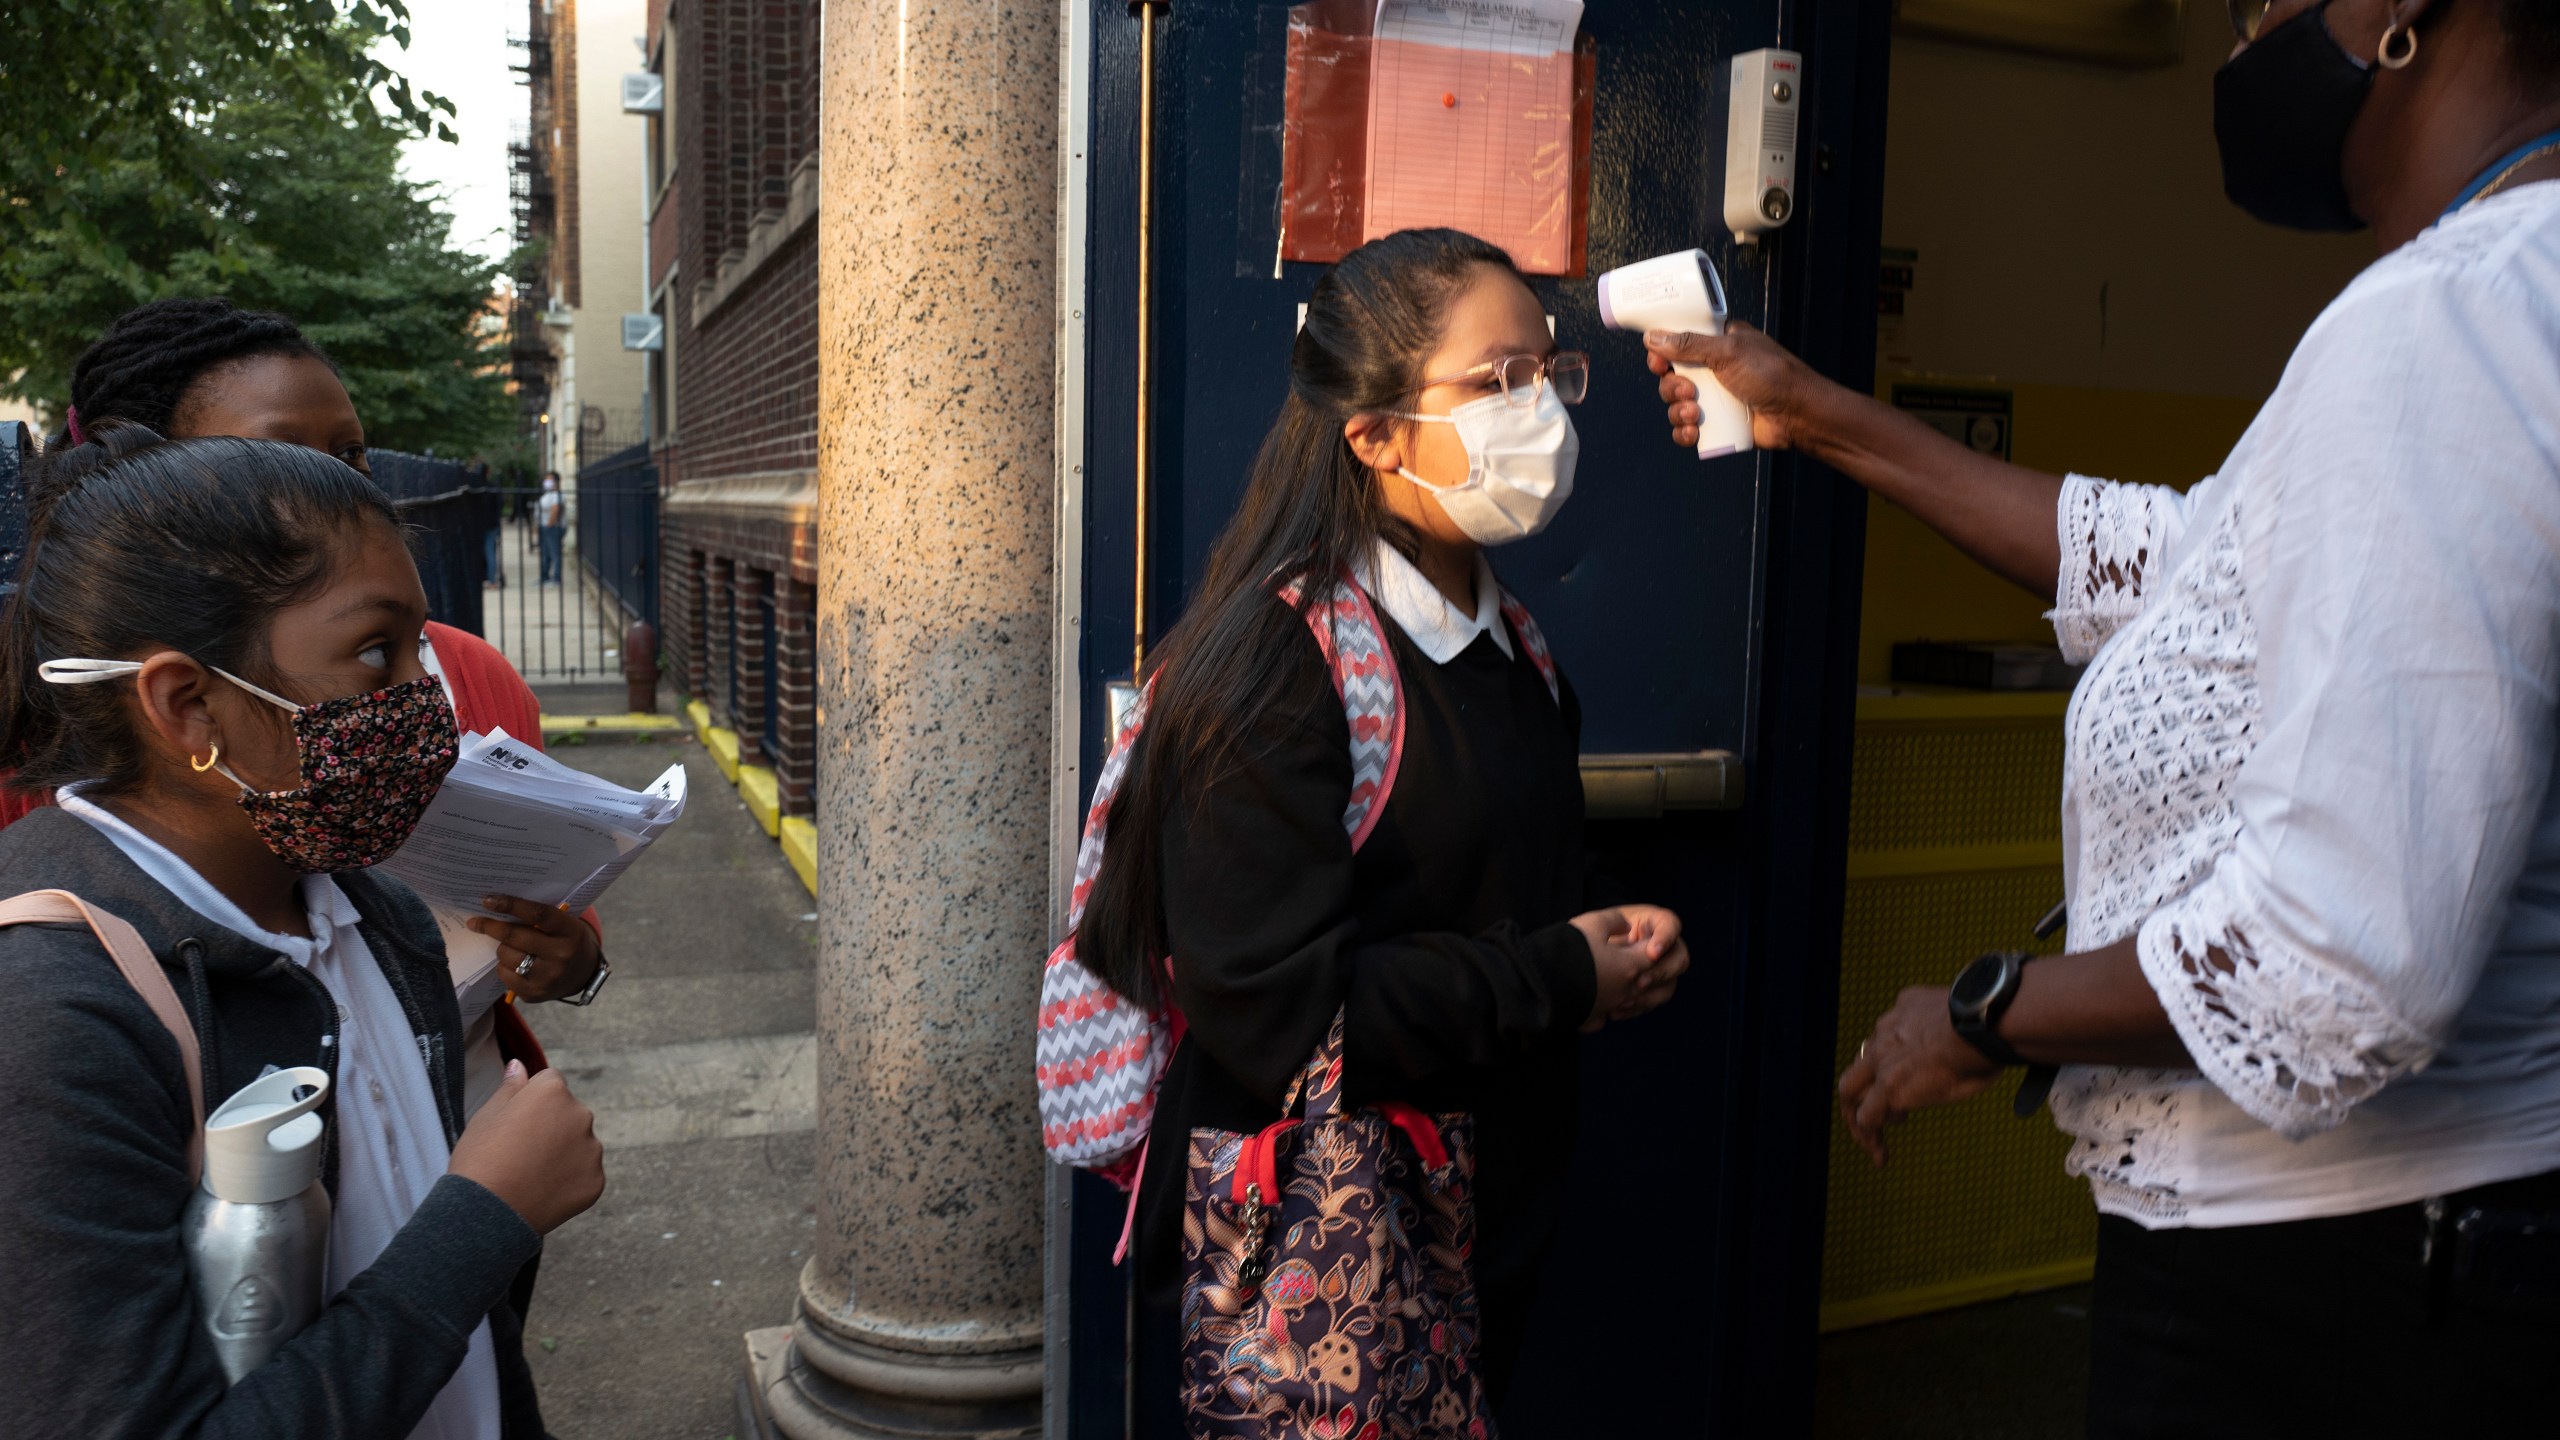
(1974, 1204)
(1929, 784)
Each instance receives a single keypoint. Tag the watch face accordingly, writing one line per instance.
(1979, 982)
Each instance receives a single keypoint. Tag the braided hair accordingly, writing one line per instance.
(141, 369)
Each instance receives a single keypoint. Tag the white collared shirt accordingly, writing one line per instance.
(391, 1146)
(1437, 628)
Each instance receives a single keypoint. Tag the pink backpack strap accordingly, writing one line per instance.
(1347, 629)
(1532, 640)
(1097, 815)
(141, 971)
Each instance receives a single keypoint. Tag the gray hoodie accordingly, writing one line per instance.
(97, 1328)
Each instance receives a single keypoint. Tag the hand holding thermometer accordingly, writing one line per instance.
(1681, 292)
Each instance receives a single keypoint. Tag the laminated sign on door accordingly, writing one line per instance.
(1470, 114)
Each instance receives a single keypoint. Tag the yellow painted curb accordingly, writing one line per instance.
(723, 745)
(800, 847)
(632, 724)
(763, 794)
(762, 790)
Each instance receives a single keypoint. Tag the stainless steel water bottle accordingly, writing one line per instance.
(257, 1229)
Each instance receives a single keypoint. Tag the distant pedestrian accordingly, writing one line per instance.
(491, 565)
(551, 521)
(200, 624)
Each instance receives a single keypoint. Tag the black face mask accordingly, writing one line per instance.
(2281, 110)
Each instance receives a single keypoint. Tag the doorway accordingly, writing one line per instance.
(2060, 282)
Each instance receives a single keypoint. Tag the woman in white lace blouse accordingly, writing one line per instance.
(2311, 1021)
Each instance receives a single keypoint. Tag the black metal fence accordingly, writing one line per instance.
(553, 599)
(618, 530)
(448, 507)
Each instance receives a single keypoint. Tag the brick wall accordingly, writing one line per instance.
(747, 378)
(745, 96)
(564, 60)
(720, 568)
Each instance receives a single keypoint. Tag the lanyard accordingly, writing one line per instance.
(2498, 169)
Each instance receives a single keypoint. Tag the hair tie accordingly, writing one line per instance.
(71, 424)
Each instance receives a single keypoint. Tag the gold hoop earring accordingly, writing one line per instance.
(208, 762)
(2382, 55)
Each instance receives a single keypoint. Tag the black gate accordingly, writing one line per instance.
(618, 530)
(444, 506)
(560, 596)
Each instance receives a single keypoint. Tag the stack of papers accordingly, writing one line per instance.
(511, 820)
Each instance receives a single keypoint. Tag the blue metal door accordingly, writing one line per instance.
(1696, 605)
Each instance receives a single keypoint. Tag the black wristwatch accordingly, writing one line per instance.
(1980, 995)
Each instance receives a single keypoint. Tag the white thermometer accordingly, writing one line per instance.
(1681, 292)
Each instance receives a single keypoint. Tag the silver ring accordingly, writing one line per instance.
(1862, 1045)
(524, 967)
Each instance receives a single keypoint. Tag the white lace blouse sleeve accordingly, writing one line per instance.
(2399, 522)
(2116, 539)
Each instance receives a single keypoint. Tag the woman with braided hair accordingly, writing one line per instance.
(150, 365)
(202, 366)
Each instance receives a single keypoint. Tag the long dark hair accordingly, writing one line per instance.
(136, 542)
(1310, 508)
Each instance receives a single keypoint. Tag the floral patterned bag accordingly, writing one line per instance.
(1326, 1293)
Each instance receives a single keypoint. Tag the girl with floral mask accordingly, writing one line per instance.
(1460, 940)
(200, 365)
(212, 661)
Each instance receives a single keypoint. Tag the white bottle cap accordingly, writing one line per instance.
(263, 1144)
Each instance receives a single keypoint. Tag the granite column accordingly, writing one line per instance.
(920, 1312)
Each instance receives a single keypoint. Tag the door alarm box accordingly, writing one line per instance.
(1760, 142)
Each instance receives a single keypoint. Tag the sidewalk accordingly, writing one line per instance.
(698, 1059)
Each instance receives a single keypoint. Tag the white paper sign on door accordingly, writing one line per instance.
(1471, 123)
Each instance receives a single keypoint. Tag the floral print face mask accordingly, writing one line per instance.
(370, 766)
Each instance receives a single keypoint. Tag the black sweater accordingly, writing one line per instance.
(1443, 939)
(98, 1323)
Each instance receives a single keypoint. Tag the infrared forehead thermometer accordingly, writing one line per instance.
(1681, 292)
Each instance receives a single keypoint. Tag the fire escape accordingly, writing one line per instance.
(533, 202)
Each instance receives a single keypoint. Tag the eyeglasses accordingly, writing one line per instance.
(2248, 17)
(1520, 376)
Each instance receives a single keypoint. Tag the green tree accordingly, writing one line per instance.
(83, 81)
(281, 191)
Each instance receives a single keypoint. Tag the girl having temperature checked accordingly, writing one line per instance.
(212, 660)
(1452, 932)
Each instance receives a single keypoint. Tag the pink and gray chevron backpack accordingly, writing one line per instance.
(1100, 1056)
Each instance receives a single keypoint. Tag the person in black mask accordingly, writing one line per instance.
(2305, 1028)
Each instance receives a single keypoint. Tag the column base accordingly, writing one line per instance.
(906, 1397)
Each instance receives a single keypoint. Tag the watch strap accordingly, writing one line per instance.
(604, 972)
(2033, 1088)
